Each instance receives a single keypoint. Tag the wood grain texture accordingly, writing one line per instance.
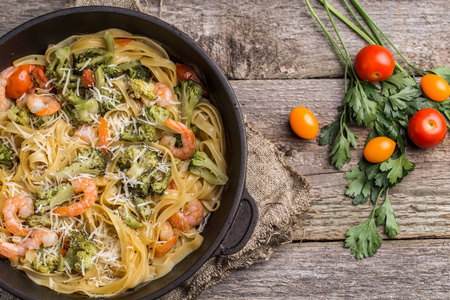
(278, 39)
(251, 39)
(400, 270)
(420, 201)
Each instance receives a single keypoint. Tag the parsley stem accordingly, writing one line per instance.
(350, 24)
(368, 21)
(328, 35)
(376, 202)
(357, 20)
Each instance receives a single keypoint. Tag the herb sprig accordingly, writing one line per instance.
(385, 110)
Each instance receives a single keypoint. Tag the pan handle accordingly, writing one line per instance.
(242, 227)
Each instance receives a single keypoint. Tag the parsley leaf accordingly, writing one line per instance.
(442, 71)
(363, 109)
(386, 213)
(397, 168)
(363, 239)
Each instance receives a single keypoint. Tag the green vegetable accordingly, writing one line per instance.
(130, 219)
(201, 165)
(156, 116)
(47, 199)
(135, 70)
(385, 112)
(47, 261)
(142, 89)
(20, 116)
(6, 157)
(141, 132)
(88, 161)
(189, 94)
(81, 252)
(159, 186)
(39, 220)
(143, 210)
(91, 58)
(138, 165)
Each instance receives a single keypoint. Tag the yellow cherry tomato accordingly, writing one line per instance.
(435, 87)
(379, 149)
(304, 123)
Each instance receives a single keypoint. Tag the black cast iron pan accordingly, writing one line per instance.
(230, 227)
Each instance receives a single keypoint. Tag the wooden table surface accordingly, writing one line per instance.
(277, 58)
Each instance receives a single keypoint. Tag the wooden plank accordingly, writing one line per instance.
(249, 39)
(401, 270)
(420, 201)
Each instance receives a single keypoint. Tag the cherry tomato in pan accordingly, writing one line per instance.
(374, 63)
(19, 82)
(435, 87)
(427, 128)
(379, 149)
(304, 123)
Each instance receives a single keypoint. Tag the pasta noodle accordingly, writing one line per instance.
(131, 231)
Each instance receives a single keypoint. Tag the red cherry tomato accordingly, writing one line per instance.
(304, 123)
(427, 128)
(19, 82)
(379, 149)
(374, 63)
(435, 87)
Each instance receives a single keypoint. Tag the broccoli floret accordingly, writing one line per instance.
(135, 70)
(81, 110)
(201, 165)
(139, 133)
(141, 188)
(189, 93)
(6, 157)
(81, 251)
(157, 116)
(20, 116)
(47, 261)
(110, 97)
(143, 210)
(142, 90)
(158, 187)
(130, 219)
(137, 161)
(60, 61)
(88, 161)
(112, 71)
(46, 199)
(91, 58)
(39, 221)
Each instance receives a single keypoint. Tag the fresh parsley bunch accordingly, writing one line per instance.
(385, 110)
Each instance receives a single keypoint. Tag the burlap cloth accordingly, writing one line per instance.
(281, 194)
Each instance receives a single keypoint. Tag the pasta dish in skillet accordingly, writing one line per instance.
(111, 159)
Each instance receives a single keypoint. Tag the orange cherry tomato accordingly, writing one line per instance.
(304, 123)
(379, 149)
(374, 63)
(19, 82)
(435, 87)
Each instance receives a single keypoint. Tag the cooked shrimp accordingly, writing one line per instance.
(187, 137)
(189, 216)
(86, 133)
(89, 188)
(161, 249)
(22, 205)
(166, 232)
(43, 105)
(38, 237)
(164, 94)
(5, 103)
